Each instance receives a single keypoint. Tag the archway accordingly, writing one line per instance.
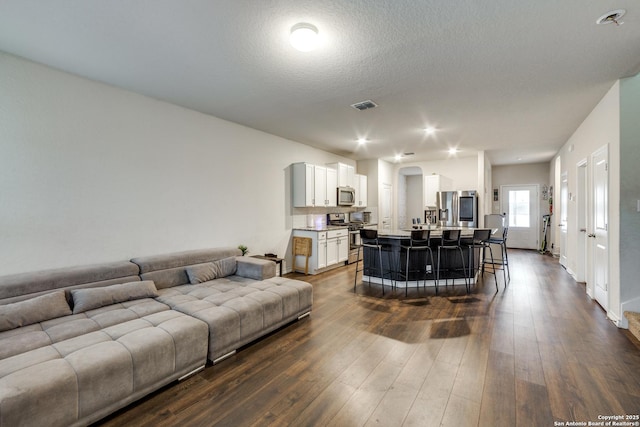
(410, 196)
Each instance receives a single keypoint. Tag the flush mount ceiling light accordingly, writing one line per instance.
(304, 37)
(612, 17)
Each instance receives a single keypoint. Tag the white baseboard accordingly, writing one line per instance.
(616, 320)
(590, 292)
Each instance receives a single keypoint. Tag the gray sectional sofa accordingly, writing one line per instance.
(79, 343)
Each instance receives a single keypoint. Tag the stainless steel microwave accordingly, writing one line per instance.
(346, 196)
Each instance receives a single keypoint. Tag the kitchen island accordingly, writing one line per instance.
(394, 260)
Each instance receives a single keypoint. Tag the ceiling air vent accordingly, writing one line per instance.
(364, 105)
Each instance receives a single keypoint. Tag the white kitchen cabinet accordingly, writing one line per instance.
(313, 186)
(343, 248)
(433, 184)
(332, 186)
(360, 184)
(303, 180)
(346, 174)
(328, 248)
(332, 251)
(320, 187)
(321, 249)
(337, 246)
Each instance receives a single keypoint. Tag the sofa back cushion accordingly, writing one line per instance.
(226, 267)
(201, 273)
(23, 286)
(89, 299)
(171, 269)
(45, 307)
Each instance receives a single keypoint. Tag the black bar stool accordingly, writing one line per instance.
(450, 241)
(503, 263)
(369, 239)
(480, 240)
(419, 244)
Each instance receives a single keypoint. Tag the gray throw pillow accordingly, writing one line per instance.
(34, 310)
(226, 267)
(90, 298)
(201, 273)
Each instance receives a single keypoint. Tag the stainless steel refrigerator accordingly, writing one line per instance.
(458, 208)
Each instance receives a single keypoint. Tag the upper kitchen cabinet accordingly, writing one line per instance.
(332, 185)
(433, 184)
(313, 186)
(360, 184)
(346, 174)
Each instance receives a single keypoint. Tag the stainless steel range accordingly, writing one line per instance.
(339, 220)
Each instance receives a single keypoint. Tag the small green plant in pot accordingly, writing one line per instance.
(244, 249)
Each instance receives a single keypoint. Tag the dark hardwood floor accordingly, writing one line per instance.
(536, 352)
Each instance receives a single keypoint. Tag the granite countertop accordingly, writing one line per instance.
(436, 230)
(322, 228)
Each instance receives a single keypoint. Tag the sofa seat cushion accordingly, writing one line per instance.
(237, 309)
(20, 340)
(70, 381)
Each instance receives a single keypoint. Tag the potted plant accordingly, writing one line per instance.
(244, 249)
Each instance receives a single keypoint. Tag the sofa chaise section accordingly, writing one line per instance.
(70, 366)
(238, 297)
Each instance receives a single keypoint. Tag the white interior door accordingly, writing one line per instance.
(522, 207)
(562, 222)
(600, 235)
(385, 207)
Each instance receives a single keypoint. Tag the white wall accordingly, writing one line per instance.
(463, 171)
(629, 195)
(533, 173)
(415, 207)
(601, 127)
(90, 173)
(485, 188)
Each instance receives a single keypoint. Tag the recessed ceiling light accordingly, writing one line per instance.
(612, 17)
(304, 37)
(430, 130)
(362, 140)
(453, 151)
(398, 157)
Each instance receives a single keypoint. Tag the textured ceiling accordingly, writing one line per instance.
(514, 78)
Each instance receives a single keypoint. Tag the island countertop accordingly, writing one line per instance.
(435, 231)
